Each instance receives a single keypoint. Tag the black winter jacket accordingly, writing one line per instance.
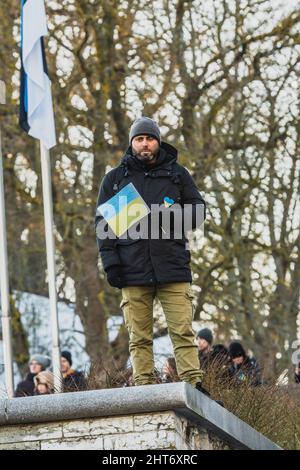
(74, 382)
(150, 261)
(249, 371)
(25, 388)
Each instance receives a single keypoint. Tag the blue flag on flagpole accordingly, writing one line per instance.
(36, 110)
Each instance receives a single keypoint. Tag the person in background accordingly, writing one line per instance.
(169, 371)
(72, 380)
(219, 353)
(243, 369)
(37, 363)
(44, 383)
(126, 378)
(218, 363)
(204, 341)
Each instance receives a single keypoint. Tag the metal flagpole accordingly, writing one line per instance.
(37, 119)
(48, 219)
(4, 284)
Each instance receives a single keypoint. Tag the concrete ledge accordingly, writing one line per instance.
(179, 397)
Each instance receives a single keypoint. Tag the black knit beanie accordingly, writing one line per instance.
(67, 355)
(206, 334)
(144, 126)
(236, 350)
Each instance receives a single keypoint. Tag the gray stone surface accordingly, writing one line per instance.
(216, 418)
(21, 446)
(90, 404)
(164, 430)
(145, 440)
(95, 443)
(153, 422)
(30, 432)
(131, 404)
(3, 412)
(124, 424)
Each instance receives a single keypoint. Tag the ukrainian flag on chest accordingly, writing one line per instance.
(124, 209)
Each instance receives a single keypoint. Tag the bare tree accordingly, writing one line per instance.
(222, 79)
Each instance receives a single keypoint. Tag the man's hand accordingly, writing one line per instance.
(114, 276)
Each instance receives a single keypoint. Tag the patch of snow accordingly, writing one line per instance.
(35, 317)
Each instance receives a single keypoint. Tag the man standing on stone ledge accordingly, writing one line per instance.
(158, 263)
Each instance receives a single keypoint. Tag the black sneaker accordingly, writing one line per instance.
(202, 389)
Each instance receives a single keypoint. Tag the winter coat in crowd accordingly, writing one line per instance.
(204, 359)
(151, 261)
(216, 361)
(25, 388)
(73, 381)
(247, 372)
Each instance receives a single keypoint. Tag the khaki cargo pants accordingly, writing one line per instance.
(176, 301)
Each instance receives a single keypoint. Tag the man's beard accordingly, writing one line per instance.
(146, 156)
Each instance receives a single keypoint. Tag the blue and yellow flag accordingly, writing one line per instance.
(124, 209)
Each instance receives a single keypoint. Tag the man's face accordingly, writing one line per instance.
(238, 360)
(64, 365)
(145, 147)
(35, 367)
(202, 344)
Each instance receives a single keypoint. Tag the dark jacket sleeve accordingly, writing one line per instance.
(256, 373)
(191, 197)
(106, 246)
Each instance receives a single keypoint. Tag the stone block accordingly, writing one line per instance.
(21, 446)
(154, 421)
(76, 428)
(113, 425)
(30, 432)
(143, 440)
(74, 444)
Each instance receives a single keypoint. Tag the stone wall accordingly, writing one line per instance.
(143, 431)
(169, 416)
